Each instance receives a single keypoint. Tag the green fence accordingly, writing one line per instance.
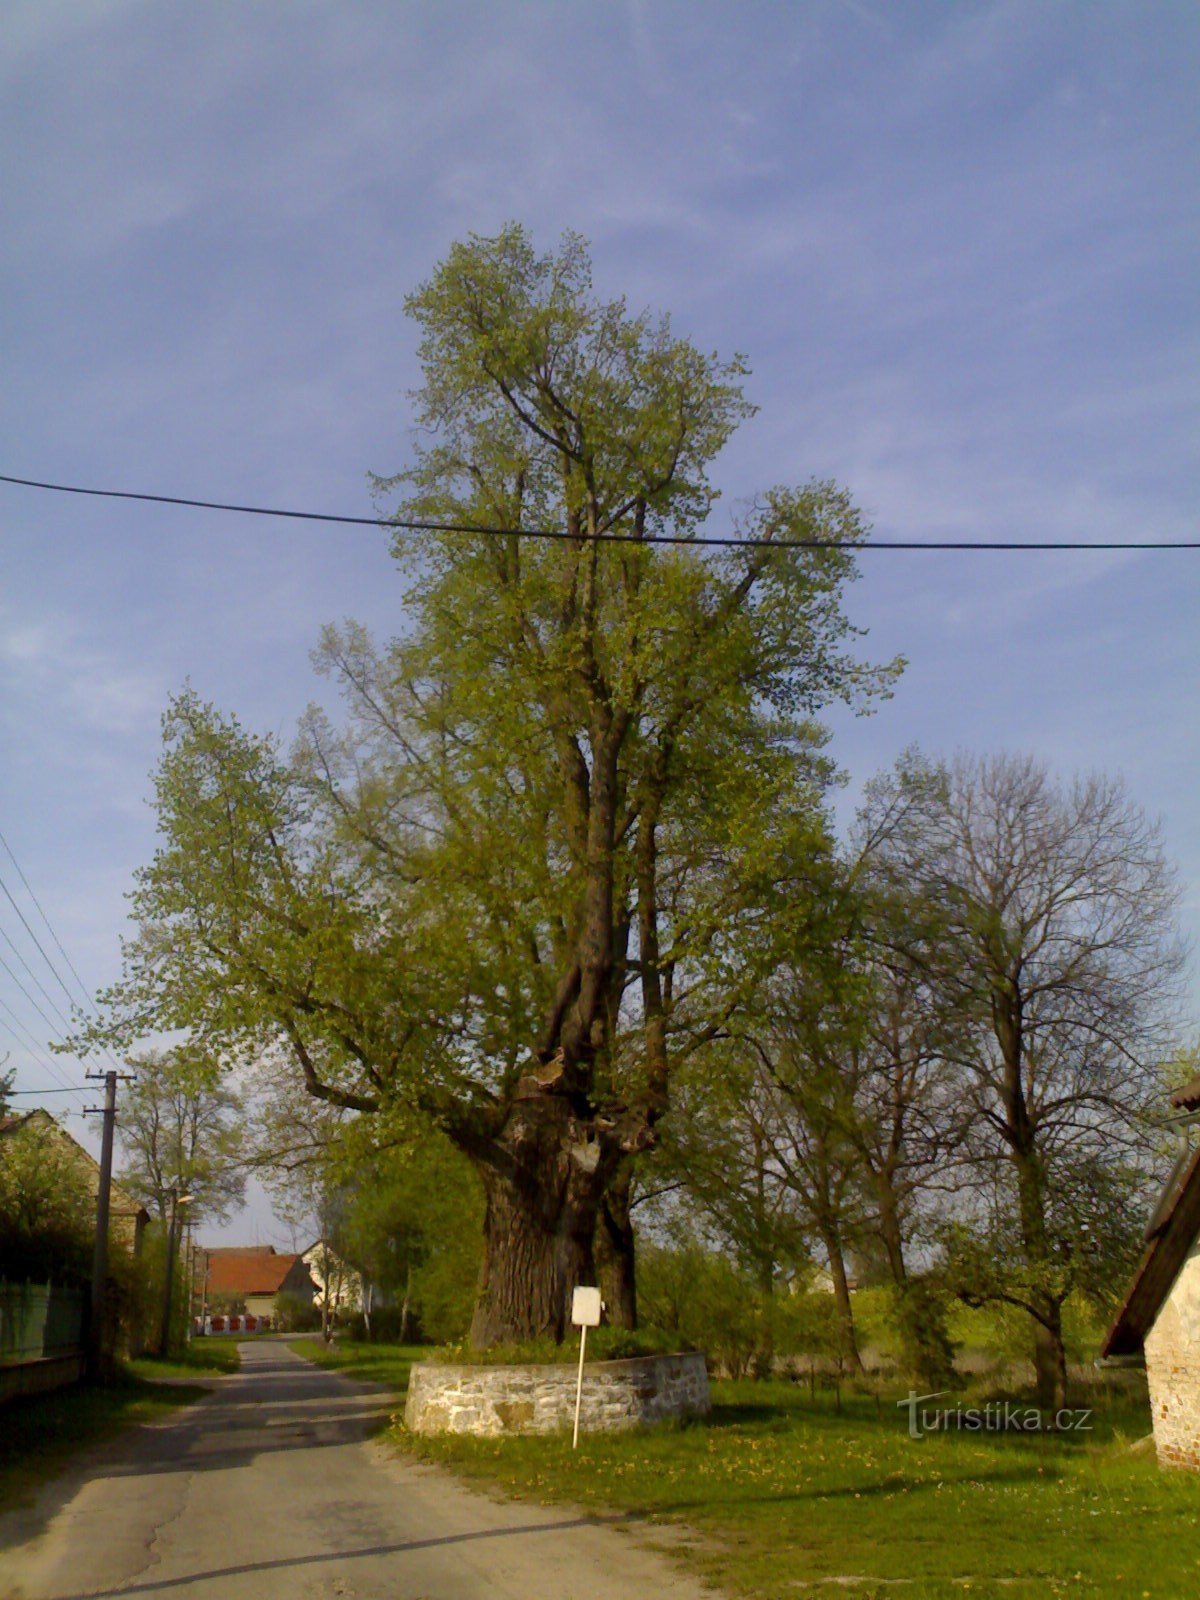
(39, 1320)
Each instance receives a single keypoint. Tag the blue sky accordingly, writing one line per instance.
(956, 241)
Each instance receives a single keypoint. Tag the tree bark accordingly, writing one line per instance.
(543, 1179)
(891, 1234)
(847, 1339)
(614, 1253)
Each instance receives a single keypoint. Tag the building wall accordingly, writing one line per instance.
(1173, 1369)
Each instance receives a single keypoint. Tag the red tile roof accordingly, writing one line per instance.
(242, 1270)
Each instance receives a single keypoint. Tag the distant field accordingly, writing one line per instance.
(790, 1495)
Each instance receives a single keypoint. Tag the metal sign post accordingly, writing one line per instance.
(586, 1306)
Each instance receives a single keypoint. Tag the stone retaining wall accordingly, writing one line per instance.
(541, 1399)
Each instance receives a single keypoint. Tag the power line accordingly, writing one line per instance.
(51, 1025)
(34, 977)
(83, 988)
(70, 964)
(608, 536)
(34, 1048)
(38, 942)
(67, 1089)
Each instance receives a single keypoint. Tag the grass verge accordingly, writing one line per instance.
(40, 1434)
(791, 1494)
(385, 1364)
(197, 1358)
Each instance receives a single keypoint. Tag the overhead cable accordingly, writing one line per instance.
(606, 535)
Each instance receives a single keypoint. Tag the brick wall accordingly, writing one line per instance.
(1173, 1369)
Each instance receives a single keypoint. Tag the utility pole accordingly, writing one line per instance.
(95, 1349)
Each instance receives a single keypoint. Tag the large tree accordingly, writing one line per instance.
(570, 812)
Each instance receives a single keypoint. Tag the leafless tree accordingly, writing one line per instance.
(1058, 932)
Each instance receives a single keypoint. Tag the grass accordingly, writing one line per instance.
(40, 1434)
(791, 1495)
(197, 1358)
(385, 1364)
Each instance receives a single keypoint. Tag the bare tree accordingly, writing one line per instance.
(180, 1130)
(1057, 908)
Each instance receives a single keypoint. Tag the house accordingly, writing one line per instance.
(1159, 1318)
(339, 1285)
(252, 1275)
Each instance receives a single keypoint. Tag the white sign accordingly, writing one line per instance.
(586, 1306)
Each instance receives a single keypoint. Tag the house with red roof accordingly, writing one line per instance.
(252, 1275)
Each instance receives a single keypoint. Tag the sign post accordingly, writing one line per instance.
(586, 1306)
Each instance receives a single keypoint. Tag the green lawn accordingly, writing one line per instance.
(789, 1496)
(41, 1433)
(385, 1364)
(197, 1358)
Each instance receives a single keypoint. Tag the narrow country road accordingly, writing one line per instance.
(270, 1486)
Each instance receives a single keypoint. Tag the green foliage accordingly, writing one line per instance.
(412, 1223)
(926, 1350)
(577, 748)
(294, 1313)
(603, 1344)
(703, 1300)
(47, 1212)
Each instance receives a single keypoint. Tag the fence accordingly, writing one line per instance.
(40, 1319)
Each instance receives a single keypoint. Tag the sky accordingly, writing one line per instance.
(957, 243)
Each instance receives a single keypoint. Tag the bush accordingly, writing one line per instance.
(295, 1313)
(603, 1344)
(926, 1351)
(385, 1326)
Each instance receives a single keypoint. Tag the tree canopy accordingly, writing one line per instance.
(571, 811)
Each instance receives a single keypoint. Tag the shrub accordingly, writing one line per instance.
(295, 1313)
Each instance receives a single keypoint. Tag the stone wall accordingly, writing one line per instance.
(1173, 1369)
(541, 1399)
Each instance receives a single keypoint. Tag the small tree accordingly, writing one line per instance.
(180, 1130)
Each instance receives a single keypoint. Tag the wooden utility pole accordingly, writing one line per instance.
(96, 1354)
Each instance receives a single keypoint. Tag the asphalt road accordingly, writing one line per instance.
(271, 1487)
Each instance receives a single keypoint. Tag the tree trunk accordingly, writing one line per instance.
(406, 1307)
(614, 1253)
(1049, 1351)
(1050, 1360)
(890, 1233)
(847, 1340)
(543, 1179)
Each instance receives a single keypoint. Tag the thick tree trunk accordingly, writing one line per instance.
(543, 1180)
(614, 1253)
